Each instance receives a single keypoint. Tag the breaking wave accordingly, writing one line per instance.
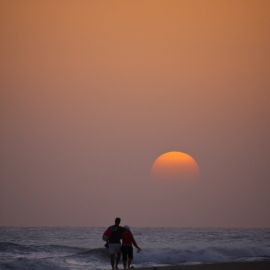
(59, 257)
(82, 248)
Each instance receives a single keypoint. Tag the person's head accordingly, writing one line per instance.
(127, 227)
(117, 221)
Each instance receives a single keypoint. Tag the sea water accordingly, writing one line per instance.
(75, 248)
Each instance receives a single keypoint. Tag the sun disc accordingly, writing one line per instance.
(175, 165)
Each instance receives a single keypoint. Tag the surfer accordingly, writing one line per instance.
(113, 237)
(127, 247)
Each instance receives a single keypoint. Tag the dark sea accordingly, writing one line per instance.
(54, 248)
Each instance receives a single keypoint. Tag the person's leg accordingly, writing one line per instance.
(129, 262)
(125, 264)
(124, 256)
(112, 254)
(112, 260)
(130, 256)
(117, 259)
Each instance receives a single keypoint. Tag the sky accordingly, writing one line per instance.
(92, 92)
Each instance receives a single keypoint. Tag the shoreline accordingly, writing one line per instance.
(256, 265)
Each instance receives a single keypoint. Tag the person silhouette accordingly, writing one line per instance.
(127, 247)
(112, 236)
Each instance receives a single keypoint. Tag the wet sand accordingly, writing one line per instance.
(263, 265)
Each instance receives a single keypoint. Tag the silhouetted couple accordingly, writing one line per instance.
(120, 240)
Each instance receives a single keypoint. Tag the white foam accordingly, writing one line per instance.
(200, 255)
(82, 248)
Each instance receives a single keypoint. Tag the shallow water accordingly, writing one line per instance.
(77, 248)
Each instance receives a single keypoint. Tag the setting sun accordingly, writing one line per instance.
(175, 166)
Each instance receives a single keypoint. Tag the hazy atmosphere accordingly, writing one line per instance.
(92, 92)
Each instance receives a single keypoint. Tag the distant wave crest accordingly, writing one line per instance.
(14, 247)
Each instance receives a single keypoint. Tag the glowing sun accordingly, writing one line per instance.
(175, 166)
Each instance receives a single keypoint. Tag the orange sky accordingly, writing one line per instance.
(93, 91)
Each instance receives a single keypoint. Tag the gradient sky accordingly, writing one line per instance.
(93, 91)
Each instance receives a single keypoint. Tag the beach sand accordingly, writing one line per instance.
(263, 265)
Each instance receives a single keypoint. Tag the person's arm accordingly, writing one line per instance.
(107, 234)
(134, 243)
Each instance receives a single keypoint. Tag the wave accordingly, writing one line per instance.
(48, 257)
(96, 252)
(19, 248)
(60, 257)
(200, 255)
(26, 264)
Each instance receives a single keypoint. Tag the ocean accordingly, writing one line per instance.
(74, 248)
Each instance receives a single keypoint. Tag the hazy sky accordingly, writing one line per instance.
(93, 91)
